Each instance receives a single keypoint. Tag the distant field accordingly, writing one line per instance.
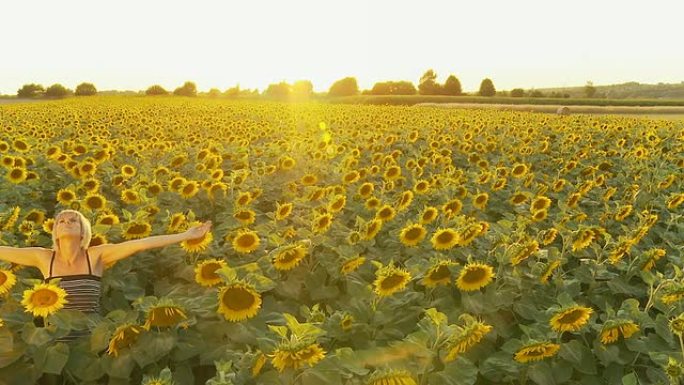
(417, 99)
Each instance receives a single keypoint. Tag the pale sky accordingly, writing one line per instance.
(132, 44)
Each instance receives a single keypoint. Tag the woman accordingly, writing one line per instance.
(80, 267)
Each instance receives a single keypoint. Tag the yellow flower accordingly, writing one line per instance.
(128, 171)
(480, 200)
(284, 357)
(465, 338)
(438, 274)
(322, 223)
(338, 203)
(352, 265)
(164, 314)
(474, 276)
(246, 241)
(245, 216)
(385, 213)
(612, 329)
(95, 201)
(518, 199)
(7, 281)
(540, 203)
(519, 170)
(392, 377)
(371, 229)
(675, 201)
(652, 256)
(65, 196)
(238, 301)
(289, 258)
(283, 211)
(123, 337)
(536, 352)
(571, 319)
(205, 272)
(16, 175)
(444, 239)
(258, 364)
(107, 220)
(523, 251)
(390, 279)
(130, 196)
(189, 189)
(137, 230)
(412, 235)
(623, 212)
(44, 299)
(549, 271)
(429, 214)
(583, 239)
(366, 189)
(421, 187)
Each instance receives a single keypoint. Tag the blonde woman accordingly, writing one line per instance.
(80, 267)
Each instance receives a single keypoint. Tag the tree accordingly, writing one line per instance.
(156, 90)
(188, 89)
(302, 89)
(536, 94)
(232, 92)
(452, 86)
(517, 93)
(57, 91)
(393, 88)
(428, 84)
(344, 87)
(214, 93)
(487, 88)
(85, 89)
(589, 89)
(30, 91)
(278, 90)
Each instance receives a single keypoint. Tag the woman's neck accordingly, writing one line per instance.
(69, 251)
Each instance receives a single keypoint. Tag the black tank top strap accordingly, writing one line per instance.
(90, 271)
(52, 262)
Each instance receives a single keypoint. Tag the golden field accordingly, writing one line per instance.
(351, 244)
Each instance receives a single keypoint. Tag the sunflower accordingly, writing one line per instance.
(283, 211)
(347, 322)
(176, 183)
(583, 239)
(35, 216)
(245, 216)
(337, 203)
(548, 236)
(540, 203)
(164, 314)
(372, 203)
(189, 189)
(385, 213)
(412, 235)
(366, 189)
(124, 336)
(465, 338)
(519, 170)
(137, 230)
(444, 239)
(428, 215)
(540, 215)
(107, 220)
(421, 187)
(480, 200)
(390, 279)
(205, 272)
(652, 256)
(289, 258)
(623, 247)
(198, 244)
(536, 352)
(452, 207)
(287, 163)
(246, 241)
(518, 199)
(295, 357)
(351, 177)
(571, 319)
(438, 274)
(44, 299)
(471, 232)
(16, 175)
(523, 251)
(392, 173)
(613, 328)
(94, 201)
(675, 200)
(474, 276)
(549, 271)
(7, 281)
(352, 265)
(623, 212)
(258, 364)
(322, 223)
(65, 196)
(610, 191)
(573, 200)
(392, 377)
(130, 196)
(238, 301)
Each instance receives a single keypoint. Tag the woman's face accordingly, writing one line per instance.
(68, 225)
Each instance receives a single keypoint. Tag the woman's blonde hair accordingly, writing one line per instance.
(86, 231)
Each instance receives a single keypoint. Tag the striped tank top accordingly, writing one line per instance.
(83, 293)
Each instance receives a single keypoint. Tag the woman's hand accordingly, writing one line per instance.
(198, 231)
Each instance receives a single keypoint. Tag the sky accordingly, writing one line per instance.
(132, 44)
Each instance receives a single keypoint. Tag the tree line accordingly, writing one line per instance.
(303, 89)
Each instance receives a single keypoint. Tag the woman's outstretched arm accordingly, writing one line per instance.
(114, 252)
(27, 256)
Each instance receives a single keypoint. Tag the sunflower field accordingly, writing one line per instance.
(370, 245)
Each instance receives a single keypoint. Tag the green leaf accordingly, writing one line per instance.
(457, 372)
(6, 340)
(33, 335)
(280, 330)
(437, 317)
(541, 374)
(121, 366)
(52, 359)
(630, 379)
(151, 347)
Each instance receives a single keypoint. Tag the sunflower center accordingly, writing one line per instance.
(287, 256)
(209, 271)
(474, 275)
(445, 237)
(137, 229)
(392, 281)
(17, 173)
(237, 298)
(413, 233)
(246, 240)
(441, 272)
(3, 278)
(571, 317)
(44, 297)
